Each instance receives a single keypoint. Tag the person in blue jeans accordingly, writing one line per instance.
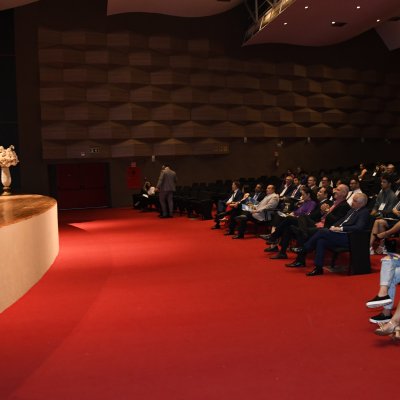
(389, 278)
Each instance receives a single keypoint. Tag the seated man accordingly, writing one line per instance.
(307, 227)
(284, 229)
(386, 198)
(258, 213)
(223, 205)
(354, 188)
(389, 278)
(355, 220)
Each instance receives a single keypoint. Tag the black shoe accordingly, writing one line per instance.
(295, 264)
(265, 237)
(378, 301)
(229, 233)
(316, 271)
(271, 240)
(271, 249)
(237, 237)
(279, 256)
(216, 227)
(380, 318)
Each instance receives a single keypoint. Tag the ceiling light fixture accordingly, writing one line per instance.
(285, 23)
(358, 7)
(378, 20)
(306, 7)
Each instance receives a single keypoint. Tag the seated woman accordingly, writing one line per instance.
(283, 231)
(380, 226)
(147, 197)
(392, 327)
(389, 278)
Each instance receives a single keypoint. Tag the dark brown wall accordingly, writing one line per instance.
(362, 67)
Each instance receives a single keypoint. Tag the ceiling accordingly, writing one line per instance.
(296, 25)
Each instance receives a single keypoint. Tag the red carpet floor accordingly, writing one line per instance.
(141, 308)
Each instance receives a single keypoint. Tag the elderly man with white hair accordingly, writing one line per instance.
(356, 219)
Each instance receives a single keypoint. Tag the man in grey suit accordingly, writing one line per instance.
(166, 185)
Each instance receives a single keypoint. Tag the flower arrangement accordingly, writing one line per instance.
(8, 157)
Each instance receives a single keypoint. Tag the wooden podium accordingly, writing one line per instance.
(28, 243)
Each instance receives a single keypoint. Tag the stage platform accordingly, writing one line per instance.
(28, 243)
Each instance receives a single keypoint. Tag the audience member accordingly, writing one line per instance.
(355, 220)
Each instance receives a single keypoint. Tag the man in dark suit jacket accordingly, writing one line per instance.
(166, 185)
(356, 219)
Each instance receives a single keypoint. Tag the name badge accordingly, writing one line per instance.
(397, 192)
(382, 206)
(374, 174)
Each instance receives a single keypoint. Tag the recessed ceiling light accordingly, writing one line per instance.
(358, 7)
(378, 20)
(306, 7)
(333, 22)
(285, 23)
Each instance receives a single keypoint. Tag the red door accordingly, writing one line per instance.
(82, 185)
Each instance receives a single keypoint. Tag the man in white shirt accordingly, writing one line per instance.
(269, 202)
(354, 188)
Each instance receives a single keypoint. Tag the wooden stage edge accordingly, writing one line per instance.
(28, 243)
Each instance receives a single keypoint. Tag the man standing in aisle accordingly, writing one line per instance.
(166, 185)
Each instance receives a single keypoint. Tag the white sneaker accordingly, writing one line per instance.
(371, 251)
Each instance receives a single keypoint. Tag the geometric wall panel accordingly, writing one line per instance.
(169, 78)
(172, 147)
(291, 100)
(320, 72)
(128, 93)
(334, 116)
(276, 114)
(189, 95)
(64, 131)
(244, 114)
(190, 129)
(207, 80)
(225, 96)
(83, 39)
(131, 148)
(347, 103)
(108, 130)
(129, 76)
(170, 112)
(320, 102)
(259, 98)
(105, 57)
(187, 62)
(227, 129)
(150, 130)
(167, 44)
(62, 94)
(85, 75)
(334, 88)
(107, 93)
(274, 84)
(85, 112)
(83, 149)
(61, 57)
(306, 116)
(149, 94)
(210, 146)
(126, 40)
(129, 112)
(208, 113)
(149, 60)
(306, 86)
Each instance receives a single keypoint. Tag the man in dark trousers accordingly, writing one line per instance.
(166, 185)
(356, 219)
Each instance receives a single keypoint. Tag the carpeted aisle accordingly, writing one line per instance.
(141, 308)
